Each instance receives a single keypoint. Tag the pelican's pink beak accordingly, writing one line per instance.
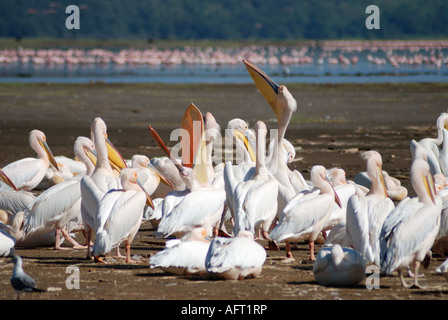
(164, 148)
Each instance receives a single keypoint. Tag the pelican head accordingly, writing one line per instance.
(320, 180)
(165, 149)
(38, 141)
(375, 169)
(239, 129)
(128, 178)
(141, 161)
(278, 96)
(115, 159)
(422, 180)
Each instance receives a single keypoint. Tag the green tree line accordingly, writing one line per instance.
(224, 19)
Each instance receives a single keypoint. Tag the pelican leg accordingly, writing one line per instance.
(88, 237)
(312, 256)
(289, 257)
(128, 254)
(57, 243)
(118, 254)
(74, 243)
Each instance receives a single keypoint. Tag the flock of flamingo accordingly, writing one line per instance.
(395, 53)
(192, 202)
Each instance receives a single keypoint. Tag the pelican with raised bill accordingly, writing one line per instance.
(27, 173)
(200, 205)
(284, 105)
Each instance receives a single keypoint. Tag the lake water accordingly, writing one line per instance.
(363, 71)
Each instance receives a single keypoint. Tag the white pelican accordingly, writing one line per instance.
(60, 204)
(409, 231)
(168, 169)
(185, 256)
(256, 199)
(395, 190)
(283, 105)
(338, 266)
(366, 214)
(103, 178)
(199, 205)
(306, 215)
(27, 173)
(7, 240)
(119, 215)
(235, 258)
(433, 145)
(148, 176)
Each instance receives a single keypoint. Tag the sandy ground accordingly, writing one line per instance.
(332, 125)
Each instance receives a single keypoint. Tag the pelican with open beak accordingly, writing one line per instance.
(27, 173)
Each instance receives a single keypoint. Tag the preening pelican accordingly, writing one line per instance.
(395, 190)
(185, 256)
(256, 199)
(338, 266)
(199, 205)
(149, 177)
(433, 145)
(409, 231)
(27, 173)
(366, 214)
(61, 204)
(119, 215)
(102, 179)
(306, 215)
(235, 258)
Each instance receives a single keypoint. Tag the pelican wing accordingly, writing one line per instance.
(25, 173)
(357, 223)
(188, 254)
(15, 201)
(42, 214)
(118, 213)
(192, 210)
(227, 253)
(300, 218)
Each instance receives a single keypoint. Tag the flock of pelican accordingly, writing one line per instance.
(369, 220)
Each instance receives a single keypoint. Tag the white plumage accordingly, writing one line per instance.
(366, 214)
(119, 215)
(338, 266)
(235, 258)
(183, 256)
(27, 173)
(409, 231)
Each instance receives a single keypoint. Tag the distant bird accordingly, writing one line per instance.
(184, 256)
(366, 214)
(27, 173)
(20, 281)
(409, 231)
(235, 258)
(307, 214)
(338, 266)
